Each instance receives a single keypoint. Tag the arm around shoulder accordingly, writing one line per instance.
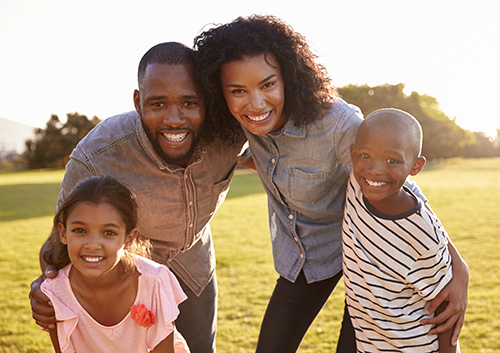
(456, 294)
(444, 338)
(43, 312)
(247, 163)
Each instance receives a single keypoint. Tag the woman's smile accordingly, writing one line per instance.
(254, 91)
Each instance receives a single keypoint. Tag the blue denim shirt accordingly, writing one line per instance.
(304, 170)
(175, 204)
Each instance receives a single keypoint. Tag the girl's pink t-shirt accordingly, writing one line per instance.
(77, 331)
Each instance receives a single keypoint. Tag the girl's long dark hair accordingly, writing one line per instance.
(97, 189)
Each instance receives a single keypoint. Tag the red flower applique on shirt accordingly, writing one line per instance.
(142, 315)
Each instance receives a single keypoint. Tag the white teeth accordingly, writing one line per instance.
(258, 117)
(375, 183)
(92, 259)
(175, 137)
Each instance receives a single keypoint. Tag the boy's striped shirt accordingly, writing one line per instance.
(393, 267)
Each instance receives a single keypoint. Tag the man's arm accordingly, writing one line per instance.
(247, 163)
(246, 159)
(41, 307)
(54, 339)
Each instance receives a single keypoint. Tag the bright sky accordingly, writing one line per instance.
(64, 56)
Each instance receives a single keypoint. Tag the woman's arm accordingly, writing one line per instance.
(455, 293)
(444, 338)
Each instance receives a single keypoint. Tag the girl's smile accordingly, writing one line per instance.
(96, 236)
(254, 92)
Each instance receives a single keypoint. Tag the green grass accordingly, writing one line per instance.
(27, 205)
(464, 194)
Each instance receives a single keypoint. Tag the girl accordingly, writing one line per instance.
(108, 297)
(261, 73)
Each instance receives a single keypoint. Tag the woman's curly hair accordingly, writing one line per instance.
(308, 89)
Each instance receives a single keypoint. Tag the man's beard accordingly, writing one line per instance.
(175, 159)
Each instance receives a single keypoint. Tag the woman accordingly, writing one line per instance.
(259, 72)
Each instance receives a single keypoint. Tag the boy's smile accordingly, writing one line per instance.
(382, 161)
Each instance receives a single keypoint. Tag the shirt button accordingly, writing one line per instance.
(190, 203)
(190, 225)
(273, 160)
(301, 256)
(290, 216)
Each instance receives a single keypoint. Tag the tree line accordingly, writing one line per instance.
(51, 147)
(443, 138)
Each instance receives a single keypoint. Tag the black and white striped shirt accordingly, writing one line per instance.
(393, 266)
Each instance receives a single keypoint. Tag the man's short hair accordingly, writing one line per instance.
(170, 53)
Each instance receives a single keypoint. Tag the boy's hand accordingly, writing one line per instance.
(41, 307)
(455, 293)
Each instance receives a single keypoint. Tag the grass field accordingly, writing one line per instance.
(464, 194)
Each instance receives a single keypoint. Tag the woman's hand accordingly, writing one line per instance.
(456, 294)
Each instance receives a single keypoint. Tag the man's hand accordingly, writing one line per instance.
(41, 307)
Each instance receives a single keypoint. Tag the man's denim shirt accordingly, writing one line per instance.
(304, 170)
(175, 205)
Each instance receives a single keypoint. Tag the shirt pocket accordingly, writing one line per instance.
(308, 186)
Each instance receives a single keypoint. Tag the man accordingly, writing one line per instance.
(179, 166)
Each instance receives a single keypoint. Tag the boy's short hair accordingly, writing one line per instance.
(400, 122)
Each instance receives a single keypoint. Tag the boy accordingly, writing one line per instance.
(395, 256)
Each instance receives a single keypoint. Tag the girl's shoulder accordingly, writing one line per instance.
(156, 274)
(158, 279)
(149, 267)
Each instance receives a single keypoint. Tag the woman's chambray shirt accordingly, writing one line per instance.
(175, 204)
(304, 170)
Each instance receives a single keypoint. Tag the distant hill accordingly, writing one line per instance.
(13, 135)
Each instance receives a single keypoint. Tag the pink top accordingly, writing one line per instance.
(158, 290)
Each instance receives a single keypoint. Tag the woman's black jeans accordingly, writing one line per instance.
(291, 310)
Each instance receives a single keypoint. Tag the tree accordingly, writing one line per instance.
(51, 147)
(443, 138)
